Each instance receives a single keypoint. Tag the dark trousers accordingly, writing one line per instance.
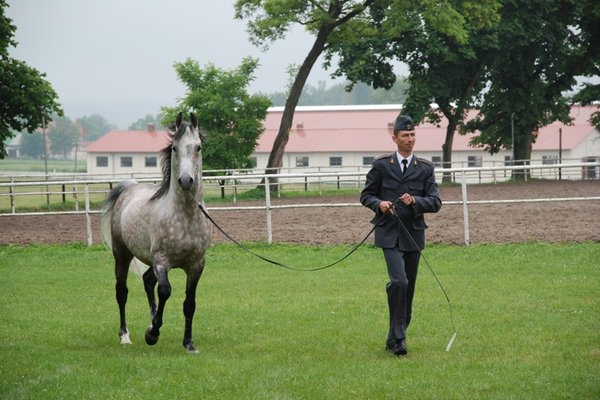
(402, 269)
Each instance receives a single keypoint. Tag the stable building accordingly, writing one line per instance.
(349, 137)
(352, 136)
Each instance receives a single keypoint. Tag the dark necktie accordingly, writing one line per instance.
(404, 165)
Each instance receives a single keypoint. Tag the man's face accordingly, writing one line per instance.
(405, 140)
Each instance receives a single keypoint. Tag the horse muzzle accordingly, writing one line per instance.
(186, 182)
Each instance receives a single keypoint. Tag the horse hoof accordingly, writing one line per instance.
(150, 338)
(125, 339)
(189, 346)
(191, 349)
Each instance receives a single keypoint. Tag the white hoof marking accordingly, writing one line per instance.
(125, 338)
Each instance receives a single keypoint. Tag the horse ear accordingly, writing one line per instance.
(178, 120)
(202, 135)
(193, 120)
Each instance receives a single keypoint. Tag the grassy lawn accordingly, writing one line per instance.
(527, 318)
(38, 166)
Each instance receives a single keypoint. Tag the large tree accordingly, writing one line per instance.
(63, 135)
(446, 48)
(26, 96)
(94, 126)
(544, 46)
(144, 123)
(270, 20)
(231, 117)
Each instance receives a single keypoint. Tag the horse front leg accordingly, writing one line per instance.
(164, 292)
(189, 304)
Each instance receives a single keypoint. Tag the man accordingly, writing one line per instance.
(400, 188)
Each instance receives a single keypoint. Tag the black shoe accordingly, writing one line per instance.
(398, 347)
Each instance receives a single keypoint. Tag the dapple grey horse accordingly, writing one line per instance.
(163, 227)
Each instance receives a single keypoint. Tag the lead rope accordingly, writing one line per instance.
(241, 246)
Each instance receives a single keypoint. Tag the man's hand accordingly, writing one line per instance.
(407, 199)
(387, 207)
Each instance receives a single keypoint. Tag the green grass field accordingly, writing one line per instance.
(38, 166)
(527, 318)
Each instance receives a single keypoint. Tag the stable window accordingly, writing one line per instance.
(126, 162)
(102, 161)
(150, 161)
(549, 160)
(301, 161)
(474, 161)
(335, 161)
(437, 161)
(368, 160)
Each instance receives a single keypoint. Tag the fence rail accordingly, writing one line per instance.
(322, 180)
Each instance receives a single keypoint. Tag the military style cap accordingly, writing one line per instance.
(404, 123)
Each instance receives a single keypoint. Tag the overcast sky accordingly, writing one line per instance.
(115, 57)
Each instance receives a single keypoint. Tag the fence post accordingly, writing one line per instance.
(465, 208)
(12, 196)
(88, 219)
(75, 198)
(268, 207)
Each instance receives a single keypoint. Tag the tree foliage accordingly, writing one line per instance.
(32, 144)
(445, 46)
(544, 45)
(460, 54)
(143, 123)
(26, 95)
(270, 20)
(231, 117)
(94, 126)
(63, 135)
(338, 94)
(587, 95)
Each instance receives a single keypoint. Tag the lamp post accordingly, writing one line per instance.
(560, 153)
(512, 135)
(45, 159)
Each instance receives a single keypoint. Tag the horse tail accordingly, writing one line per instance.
(107, 210)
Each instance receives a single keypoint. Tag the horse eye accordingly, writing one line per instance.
(198, 148)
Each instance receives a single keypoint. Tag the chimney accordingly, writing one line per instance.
(151, 127)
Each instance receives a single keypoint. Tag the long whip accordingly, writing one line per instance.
(414, 243)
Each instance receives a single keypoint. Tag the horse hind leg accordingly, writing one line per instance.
(123, 258)
(149, 285)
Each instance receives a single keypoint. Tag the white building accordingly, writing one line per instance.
(327, 138)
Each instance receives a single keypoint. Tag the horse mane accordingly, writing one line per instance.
(165, 162)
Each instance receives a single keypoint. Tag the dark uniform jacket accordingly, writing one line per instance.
(385, 181)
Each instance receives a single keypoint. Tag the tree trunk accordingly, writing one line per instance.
(454, 116)
(522, 154)
(276, 156)
(447, 148)
(334, 11)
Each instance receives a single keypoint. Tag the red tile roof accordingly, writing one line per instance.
(362, 129)
(129, 142)
(349, 129)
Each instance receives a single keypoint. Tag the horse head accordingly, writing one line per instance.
(186, 152)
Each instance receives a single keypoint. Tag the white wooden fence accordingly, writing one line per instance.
(322, 180)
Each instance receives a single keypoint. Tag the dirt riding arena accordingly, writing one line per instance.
(555, 221)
